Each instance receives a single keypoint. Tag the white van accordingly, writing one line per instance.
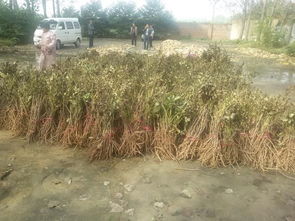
(67, 31)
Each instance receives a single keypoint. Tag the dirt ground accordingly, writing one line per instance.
(53, 183)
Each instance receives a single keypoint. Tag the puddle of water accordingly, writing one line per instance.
(271, 78)
(274, 79)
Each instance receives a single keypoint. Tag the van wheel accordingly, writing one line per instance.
(58, 45)
(78, 43)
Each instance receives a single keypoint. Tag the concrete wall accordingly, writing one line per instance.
(203, 30)
(221, 31)
(237, 28)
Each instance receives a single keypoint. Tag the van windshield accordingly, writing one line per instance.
(52, 24)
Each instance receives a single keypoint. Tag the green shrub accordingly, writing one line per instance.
(272, 38)
(18, 24)
(8, 42)
(290, 49)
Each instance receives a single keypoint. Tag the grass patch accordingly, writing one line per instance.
(7, 42)
(254, 44)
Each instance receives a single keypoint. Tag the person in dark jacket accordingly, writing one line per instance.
(147, 32)
(133, 33)
(91, 33)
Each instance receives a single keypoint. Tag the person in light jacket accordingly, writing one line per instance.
(47, 47)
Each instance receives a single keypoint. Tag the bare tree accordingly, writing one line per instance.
(287, 14)
(28, 5)
(243, 9)
(290, 31)
(213, 3)
(13, 4)
(262, 17)
(263, 11)
(31, 5)
(245, 6)
(58, 8)
(249, 17)
(274, 7)
(44, 8)
(53, 8)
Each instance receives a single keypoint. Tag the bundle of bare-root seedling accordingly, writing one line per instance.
(126, 105)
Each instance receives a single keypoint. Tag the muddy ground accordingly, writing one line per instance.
(54, 183)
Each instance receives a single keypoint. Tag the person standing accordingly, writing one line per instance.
(91, 33)
(47, 47)
(146, 36)
(152, 33)
(133, 33)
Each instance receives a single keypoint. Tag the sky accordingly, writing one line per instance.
(182, 10)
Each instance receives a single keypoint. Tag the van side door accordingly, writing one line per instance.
(61, 32)
(77, 30)
(71, 31)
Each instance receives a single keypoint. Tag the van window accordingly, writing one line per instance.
(62, 25)
(69, 25)
(52, 24)
(77, 25)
